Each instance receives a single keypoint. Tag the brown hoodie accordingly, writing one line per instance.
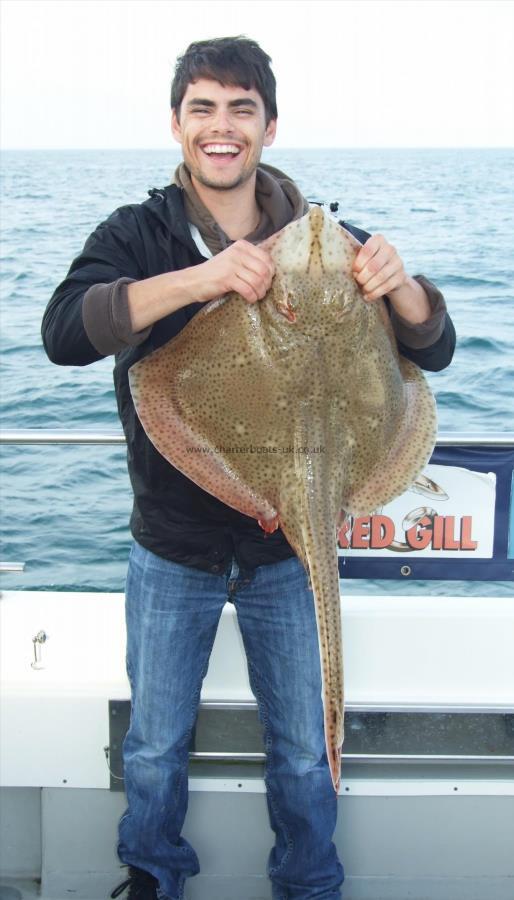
(278, 199)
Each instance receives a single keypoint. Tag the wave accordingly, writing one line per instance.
(468, 281)
(461, 401)
(483, 345)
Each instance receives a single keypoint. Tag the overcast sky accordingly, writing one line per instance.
(402, 73)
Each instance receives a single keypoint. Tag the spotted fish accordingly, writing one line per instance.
(296, 410)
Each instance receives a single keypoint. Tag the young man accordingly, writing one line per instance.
(141, 277)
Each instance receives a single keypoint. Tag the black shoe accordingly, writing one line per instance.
(141, 885)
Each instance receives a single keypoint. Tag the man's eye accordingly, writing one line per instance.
(200, 109)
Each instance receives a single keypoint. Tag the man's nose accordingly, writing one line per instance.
(223, 120)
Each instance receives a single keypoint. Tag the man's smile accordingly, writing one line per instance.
(221, 151)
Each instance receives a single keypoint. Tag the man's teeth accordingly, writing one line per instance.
(221, 148)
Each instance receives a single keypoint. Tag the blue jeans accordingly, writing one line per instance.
(172, 614)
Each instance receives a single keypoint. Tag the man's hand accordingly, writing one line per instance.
(378, 270)
(243, 268)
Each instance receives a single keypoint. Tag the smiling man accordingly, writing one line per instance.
(222, 129)
(140, 278)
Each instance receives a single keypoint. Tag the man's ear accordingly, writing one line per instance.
(269, 134)
(175, 126)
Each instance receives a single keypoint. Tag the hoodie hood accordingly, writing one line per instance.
(278, 198)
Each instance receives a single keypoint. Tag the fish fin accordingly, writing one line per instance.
(178, 436)
(408, 451)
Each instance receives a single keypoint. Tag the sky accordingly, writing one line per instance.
(371, 73)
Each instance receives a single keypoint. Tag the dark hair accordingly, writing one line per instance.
(236, 61)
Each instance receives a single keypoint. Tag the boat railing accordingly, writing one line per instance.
(498, 445)
(64, 436)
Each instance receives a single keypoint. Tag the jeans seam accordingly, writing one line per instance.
(268, 744)
(181, 887)
(187, 738)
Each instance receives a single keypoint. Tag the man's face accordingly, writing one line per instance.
(222, 131)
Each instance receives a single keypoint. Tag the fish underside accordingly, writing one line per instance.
(296, 410)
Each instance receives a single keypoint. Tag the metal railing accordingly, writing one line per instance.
(49, 436)
(44, 436)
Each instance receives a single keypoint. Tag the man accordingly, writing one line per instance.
(141, 277)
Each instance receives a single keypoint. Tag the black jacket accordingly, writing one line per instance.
(172, 516)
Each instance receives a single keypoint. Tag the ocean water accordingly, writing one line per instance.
(65, 510)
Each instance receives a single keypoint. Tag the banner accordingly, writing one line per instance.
(453, 523)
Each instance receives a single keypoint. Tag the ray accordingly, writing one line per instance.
(296, 410)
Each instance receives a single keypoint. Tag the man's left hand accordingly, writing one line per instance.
(378, 270)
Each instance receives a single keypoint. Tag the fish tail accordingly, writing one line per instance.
(325, 586)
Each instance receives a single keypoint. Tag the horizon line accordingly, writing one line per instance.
(272, 149)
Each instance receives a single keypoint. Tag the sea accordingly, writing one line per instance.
(65, 509)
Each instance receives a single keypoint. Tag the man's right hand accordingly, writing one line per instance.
(243, 268)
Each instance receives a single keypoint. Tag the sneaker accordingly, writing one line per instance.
(141, 886)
